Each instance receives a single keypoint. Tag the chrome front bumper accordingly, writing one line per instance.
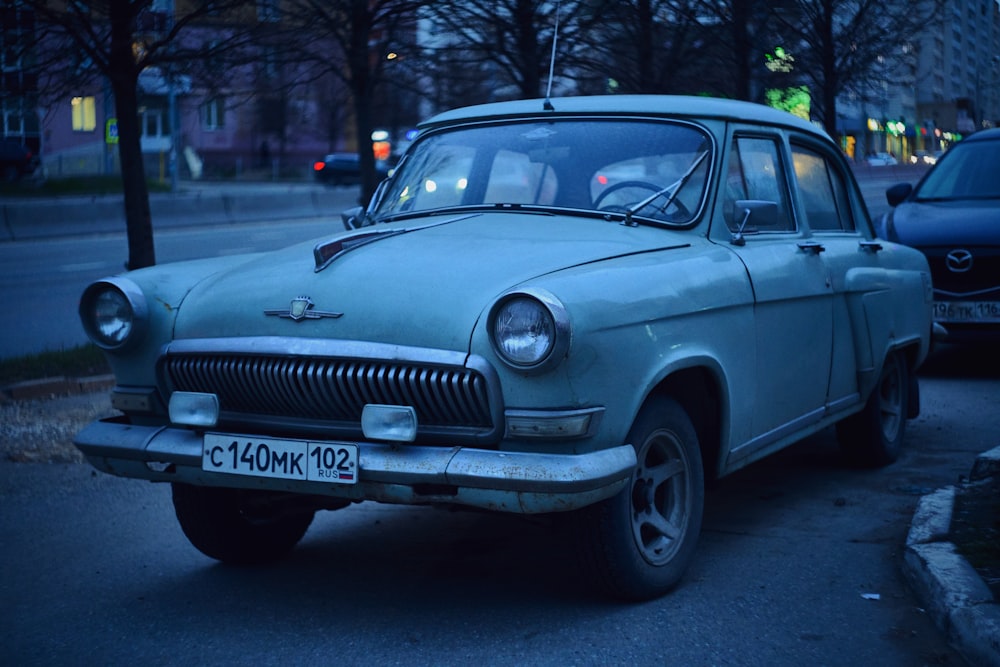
(519, 482)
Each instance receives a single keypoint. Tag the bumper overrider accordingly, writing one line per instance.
(518, 482)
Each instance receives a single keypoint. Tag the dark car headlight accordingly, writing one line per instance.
(113, 312)
(529, 330)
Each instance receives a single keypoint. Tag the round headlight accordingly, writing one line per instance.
(111, 312)
(528, 330)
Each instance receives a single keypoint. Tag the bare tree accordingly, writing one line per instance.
(508, 43)
(355, 41)
(739, 31)
(645, 46)
(116, 40)
(839, 45)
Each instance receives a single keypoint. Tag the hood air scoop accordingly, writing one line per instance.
(326, 252)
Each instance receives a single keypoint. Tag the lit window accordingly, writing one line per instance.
(84, 114)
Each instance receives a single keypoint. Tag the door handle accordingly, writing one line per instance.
(870, 246)
(811, 247)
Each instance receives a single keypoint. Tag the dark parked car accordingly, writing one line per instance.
(344, 169)
(953, 217)
(16, 160)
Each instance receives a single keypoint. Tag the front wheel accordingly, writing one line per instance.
(874, 436)
(236, 526)
(638, 544)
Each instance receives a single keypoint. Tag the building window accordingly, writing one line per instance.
(84, 114)
(213, 114)
(13, 122)
(154, 123)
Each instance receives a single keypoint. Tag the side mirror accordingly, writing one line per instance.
(898, 193)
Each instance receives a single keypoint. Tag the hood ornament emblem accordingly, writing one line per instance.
(302, 308)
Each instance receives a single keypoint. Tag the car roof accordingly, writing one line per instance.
(670, 106)
(983, 135)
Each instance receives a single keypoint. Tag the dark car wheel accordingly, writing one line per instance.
(638, 544)
(236, 526)
(874, 436)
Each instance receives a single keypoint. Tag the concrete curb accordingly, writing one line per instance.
(955, 595)
(45, 388)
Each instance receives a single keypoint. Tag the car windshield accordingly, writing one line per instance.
(618, 169)
(970, 171)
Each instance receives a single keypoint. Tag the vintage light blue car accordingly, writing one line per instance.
(583, 306)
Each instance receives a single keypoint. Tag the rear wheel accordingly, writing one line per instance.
(874, 436)
(638, 544)
(236, 526)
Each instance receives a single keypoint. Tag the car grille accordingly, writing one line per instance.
(332, 391)
(981, 281)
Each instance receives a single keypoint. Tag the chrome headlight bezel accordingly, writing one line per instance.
(546, 318)
(126, 313)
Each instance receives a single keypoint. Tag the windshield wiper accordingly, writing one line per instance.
(673, 189)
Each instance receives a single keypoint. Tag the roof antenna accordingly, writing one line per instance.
(552, 63)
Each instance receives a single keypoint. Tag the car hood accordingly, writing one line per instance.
(951, 223)
(425, 285)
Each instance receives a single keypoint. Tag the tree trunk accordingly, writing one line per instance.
(138, 221)
(124, 76)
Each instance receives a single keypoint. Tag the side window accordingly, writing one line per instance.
(755, 172)
(823, 192)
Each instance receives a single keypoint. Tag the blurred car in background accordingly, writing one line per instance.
(344, 169)
(16, 161)
(922, 157)
(881, 160)
(953, 217)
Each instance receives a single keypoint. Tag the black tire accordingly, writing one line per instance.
(638, 544)
(874, 437)
(228, 524)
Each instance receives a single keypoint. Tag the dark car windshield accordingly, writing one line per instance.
(971, 170)
(608, 166)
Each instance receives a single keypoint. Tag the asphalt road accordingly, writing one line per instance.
(799, 564)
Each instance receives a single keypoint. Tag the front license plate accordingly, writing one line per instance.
(967, 311)
(331, 462)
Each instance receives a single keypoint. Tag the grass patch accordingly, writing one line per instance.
(75, 185)
(81, 361)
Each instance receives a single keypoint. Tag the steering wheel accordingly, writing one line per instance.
(682, 210)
